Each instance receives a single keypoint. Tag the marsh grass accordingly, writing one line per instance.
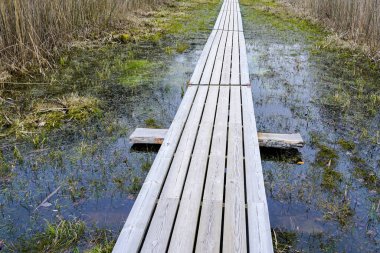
(56, 237)
(34, 32)
(358, 20)
(45, 115)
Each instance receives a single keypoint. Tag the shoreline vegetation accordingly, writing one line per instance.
(35, 33)
(356, 23)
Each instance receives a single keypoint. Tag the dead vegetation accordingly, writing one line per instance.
(33, 32)
(356, 20)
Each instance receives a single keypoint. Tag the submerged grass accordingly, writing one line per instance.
(347, 60)
(45, 115)
(62, 236)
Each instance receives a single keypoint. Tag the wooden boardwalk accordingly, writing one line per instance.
(205, 190)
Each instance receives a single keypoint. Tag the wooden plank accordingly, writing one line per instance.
(280, 140)
(148, 136)
(210, 225)
(206, 77)
(270, 140)
(226, 69)
(221, 19)
(257, 209)
(184, 231)
(228, 15)
(217, 71)
(235, 67)
(131, 235)
(244, 71)
(234, 230)
(197, 74)
(231, 23)
(236, 13)
(162, 221)
(240, 21)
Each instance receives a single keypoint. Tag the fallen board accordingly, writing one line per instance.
(269, 140)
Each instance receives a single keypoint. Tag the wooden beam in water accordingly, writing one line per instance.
(269, 140)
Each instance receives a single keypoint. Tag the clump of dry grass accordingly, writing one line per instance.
(358, 20)
(32, 32)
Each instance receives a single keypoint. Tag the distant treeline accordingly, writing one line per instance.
(33, 31)
(356, 19)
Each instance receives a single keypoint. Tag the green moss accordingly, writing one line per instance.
(346, 145)
(340, 212)
(326, 155)
(181, 47)
(284, 241)
(62, 236)
(151, 123)
(365, 173)
(125, 38)
(331, 179)
(137, 71)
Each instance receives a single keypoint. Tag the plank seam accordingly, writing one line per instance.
(187, 172)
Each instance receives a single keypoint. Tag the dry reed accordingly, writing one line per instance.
(358, 20)
(32, 32)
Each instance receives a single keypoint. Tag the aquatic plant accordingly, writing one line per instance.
(151, 123)
(56, 237)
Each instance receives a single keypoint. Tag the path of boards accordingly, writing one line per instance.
(205, 190)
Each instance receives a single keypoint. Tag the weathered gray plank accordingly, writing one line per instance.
(184, 231)
(138, 219)
(235, 68)
(244, 71)
(270, 140)
(161, 225)
(210, 225)
(217, 71)
(206, 77)
(234, 230)
(197, 74)
(226, 69)
(148, 136)
(280, 140)
(258, 218)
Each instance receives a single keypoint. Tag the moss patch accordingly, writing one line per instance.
(346, 145)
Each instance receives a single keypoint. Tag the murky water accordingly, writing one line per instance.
(289, 85)
(323, 205)
(98, 171)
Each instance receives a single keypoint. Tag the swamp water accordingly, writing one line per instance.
(329, 204)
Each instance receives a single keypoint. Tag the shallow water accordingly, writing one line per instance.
(100, 172)
(289, 83)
